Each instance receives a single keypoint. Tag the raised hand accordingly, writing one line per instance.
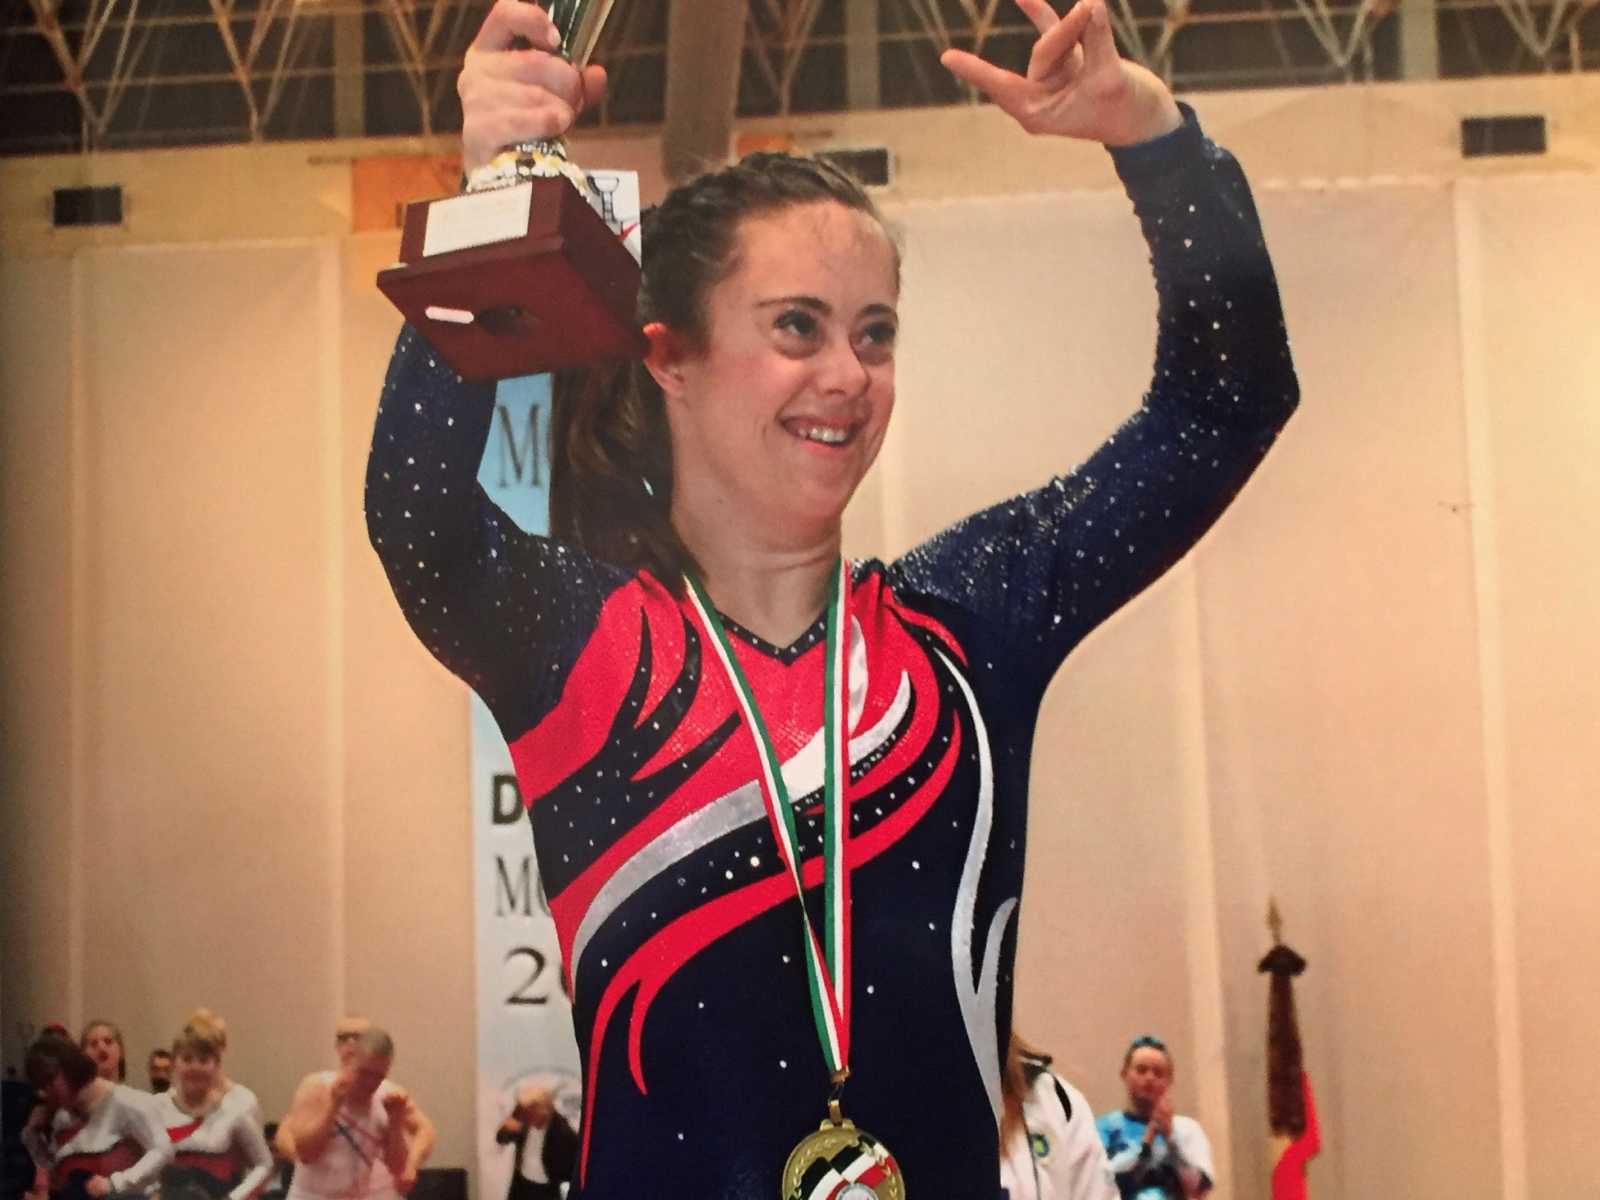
(1077, 84)
(1161, 1118)
(397, 1102)
(510, 95)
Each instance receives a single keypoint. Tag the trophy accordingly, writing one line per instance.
(520, 275)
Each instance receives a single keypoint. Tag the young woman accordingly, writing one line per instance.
(91, 1136)
(711, 714)
(208, 1027)
(219, 1146)
(102, 1041)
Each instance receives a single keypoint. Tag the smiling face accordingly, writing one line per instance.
(197, 1072)
(776, 418)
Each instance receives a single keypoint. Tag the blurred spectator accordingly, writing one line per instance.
(1049, 1147)
(210, 1027)
(92, 1136)
(1155, 1153)
(351, 1132)
(220, 1150)
(546, 1146)
(159, 1067)
(102, 1041)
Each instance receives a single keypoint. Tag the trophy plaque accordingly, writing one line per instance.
(521, 275)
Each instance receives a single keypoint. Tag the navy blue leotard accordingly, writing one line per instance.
(676, 921)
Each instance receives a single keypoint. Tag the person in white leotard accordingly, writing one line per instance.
(348, 1130)
(211, 1028)
(220, 1150)
(93, 1137)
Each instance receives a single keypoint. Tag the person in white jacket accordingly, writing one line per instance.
(92, 1137)
(1049, 1148)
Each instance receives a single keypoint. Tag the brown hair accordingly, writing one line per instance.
(1013, 1086)
(116, 1036)
(200, 1038)
(611, 472)
(51, 1056)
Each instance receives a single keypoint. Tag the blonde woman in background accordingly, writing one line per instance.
(220, 1149)
(208, 1025)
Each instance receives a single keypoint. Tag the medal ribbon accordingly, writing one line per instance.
(827, 962)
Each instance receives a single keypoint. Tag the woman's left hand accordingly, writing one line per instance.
(97, 1186)
(1077, 84)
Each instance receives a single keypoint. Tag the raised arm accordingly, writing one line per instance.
(504, 610)
(304, 1133)
(1058, 560)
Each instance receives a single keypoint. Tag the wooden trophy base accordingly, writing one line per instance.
(517, 281)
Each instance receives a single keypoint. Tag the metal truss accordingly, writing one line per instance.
(88, 74)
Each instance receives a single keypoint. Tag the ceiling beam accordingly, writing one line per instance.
(705, 43)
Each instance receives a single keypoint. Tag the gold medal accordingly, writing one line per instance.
(841, 1162)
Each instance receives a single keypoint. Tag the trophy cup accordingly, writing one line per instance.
(521, 275)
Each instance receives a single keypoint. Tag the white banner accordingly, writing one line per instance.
(524, 1020)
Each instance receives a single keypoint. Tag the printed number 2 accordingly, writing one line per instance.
(537, 962)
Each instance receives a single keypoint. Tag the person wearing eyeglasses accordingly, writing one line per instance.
(1155, 1153)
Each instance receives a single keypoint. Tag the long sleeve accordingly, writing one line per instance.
(504, 610)
(251, 1147)
(137, 1120)
(37, 1144)
(1190, 1150)
(1044, 568)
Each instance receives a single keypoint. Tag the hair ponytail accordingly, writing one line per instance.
(611, 470)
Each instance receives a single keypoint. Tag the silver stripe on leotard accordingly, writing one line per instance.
(802, 774)
(978, 1002)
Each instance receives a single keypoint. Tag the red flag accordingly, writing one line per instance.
(1289, 1173)
(1291, 1110)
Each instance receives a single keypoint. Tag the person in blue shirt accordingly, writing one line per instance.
(1155, 1154)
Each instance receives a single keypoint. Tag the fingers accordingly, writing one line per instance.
(511, 19)
(512, 96)
(530, 68)
(594, 86)
(1099, 44)
(1005, 88)
(503, 114)
(1054, 50)
(1040, 13)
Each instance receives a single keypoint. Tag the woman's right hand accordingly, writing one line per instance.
(511, 95)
